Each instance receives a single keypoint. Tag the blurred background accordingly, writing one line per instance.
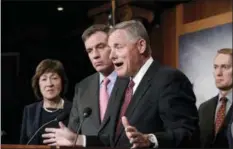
(34, 30)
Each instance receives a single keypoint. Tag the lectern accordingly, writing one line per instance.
(9, 146)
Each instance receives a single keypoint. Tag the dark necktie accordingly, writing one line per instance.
(127, 99)
(220, 116)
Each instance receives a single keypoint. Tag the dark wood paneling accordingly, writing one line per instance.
(168, 23)
(200, 9)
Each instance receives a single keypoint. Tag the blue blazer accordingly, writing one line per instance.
(31, 121)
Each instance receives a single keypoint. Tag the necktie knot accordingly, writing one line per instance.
(223, 99)
(106, 81)
(131, 84)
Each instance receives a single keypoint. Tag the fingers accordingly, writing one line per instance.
(130, 129)
(135, 145)
(48, 135)
(51, 130)
(125, 122)
(49, 141)
(52, 144)
(61, 125)
(132, 134)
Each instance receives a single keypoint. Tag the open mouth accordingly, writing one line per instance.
(118, 64)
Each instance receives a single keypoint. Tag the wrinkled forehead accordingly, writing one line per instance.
(95, 39)
(223, 59)
(119, 36)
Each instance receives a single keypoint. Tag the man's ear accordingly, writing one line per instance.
(141, 45)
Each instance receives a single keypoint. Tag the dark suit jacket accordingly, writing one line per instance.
(31, 121)
(230, 133)
(163, 104)
(87, 95)
(207, 121)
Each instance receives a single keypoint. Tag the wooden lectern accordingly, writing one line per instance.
(9, 146)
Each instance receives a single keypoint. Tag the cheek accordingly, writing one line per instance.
(59, 85)
(90, 57)
(41, 86)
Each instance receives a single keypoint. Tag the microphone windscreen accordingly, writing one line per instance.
(87, 112)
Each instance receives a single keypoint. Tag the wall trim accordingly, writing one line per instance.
(209, 22)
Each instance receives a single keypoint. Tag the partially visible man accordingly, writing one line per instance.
(159, 105)
(230, 133)
(215, 113)
(97, 92)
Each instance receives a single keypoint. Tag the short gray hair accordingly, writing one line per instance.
(135, 29)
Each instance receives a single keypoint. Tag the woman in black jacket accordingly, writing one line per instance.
(49, 85)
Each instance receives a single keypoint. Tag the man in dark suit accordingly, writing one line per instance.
(88, 92)
(215, 113)
(159, 106)
(162, 111)
(96, 91)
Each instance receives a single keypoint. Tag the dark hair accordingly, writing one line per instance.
(93, 29)
(49, 65)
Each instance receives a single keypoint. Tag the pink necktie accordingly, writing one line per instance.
(104, 97)
(128, 96)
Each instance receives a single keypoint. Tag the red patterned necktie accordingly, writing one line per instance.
(104, 97)
(127, 99)
(220, 114)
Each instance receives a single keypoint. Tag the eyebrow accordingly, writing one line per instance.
(101, 43)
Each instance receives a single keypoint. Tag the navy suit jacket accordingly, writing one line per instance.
(31, 121)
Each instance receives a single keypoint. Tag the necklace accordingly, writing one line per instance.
(58, 107)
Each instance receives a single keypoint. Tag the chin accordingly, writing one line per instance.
(122, 74)
(224, 88)
(51, 97)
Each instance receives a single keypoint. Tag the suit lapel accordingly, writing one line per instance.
(115, 99)
(142, 88)
(91, 99)
(36, 123)
(212, 107)
(37, 116)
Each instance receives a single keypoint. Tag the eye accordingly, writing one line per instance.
(88, 50)
(215, 66)
(118, 46)
(54, 78)
(43, 79)
(101, 46)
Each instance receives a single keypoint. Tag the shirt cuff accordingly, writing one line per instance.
(153, 140)
(81, 140)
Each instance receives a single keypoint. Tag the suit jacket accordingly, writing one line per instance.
(31, 121)
(207, 122)
(87, 95)
(163, 104)
(230, 133)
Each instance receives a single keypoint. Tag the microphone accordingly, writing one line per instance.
(86, 113)
(60, 117)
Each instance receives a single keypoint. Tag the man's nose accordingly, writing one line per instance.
(218, 72)
(96, 54)
(112, 55)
